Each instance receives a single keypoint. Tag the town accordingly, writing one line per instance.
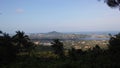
(77, 41)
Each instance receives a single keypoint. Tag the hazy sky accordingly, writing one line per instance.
(57, 15)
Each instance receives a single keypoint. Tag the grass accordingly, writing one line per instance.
(47, 59)
(40, 63)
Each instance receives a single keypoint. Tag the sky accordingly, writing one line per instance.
(34, 16)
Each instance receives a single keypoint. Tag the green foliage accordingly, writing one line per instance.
(21, 40)
(75, 54)
(93, 58)
(7, 49)
(96, 51)
(114, 48)
(84, 62)
(58, 47)
(114, 43)
(11, 46)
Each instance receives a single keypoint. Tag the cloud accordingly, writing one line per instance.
(19, 10)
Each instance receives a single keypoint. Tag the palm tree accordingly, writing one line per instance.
(21, 40)
(7, 49)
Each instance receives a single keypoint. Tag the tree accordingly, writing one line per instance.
(21, 40)
(75, 53)
(0, 32)
(114, 43)
(114, 48)
(96, 50)
(8, 50)
(113, 3)
(30, 48)
(58, 47)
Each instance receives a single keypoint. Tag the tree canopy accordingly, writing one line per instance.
(57, 47)
(114, 43)
(113, 3)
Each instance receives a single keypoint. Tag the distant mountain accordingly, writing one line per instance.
(69, 36)
(54, 33)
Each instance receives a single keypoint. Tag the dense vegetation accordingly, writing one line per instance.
(19, 52)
